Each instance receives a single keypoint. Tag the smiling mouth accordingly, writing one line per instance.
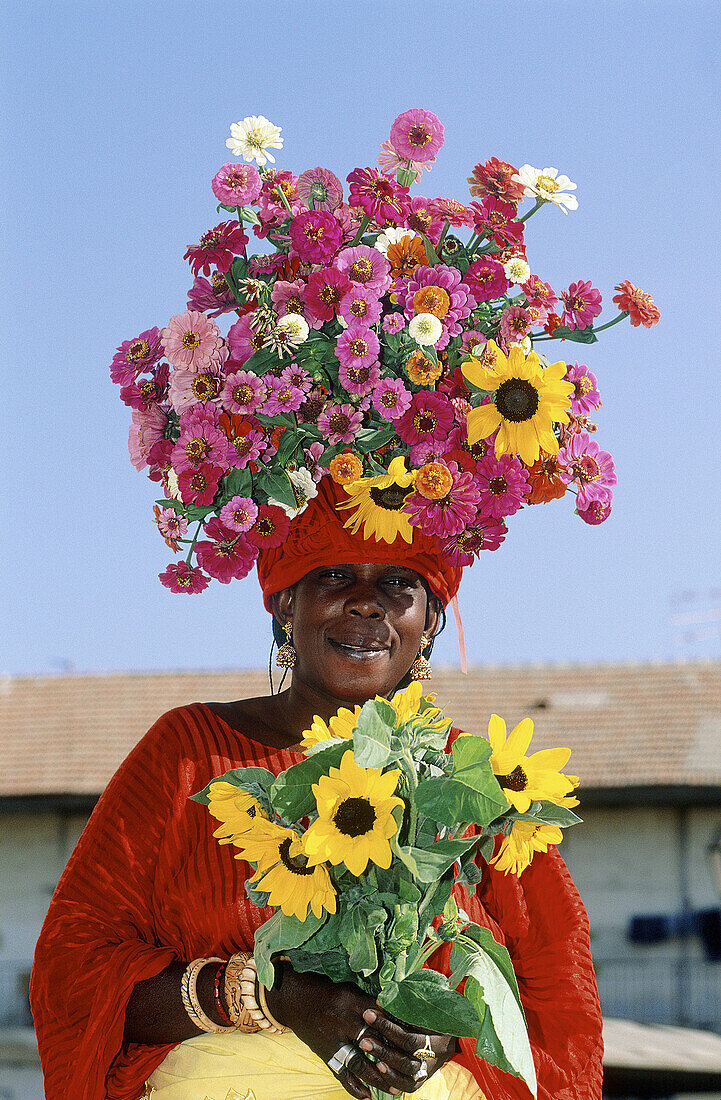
(358, 651)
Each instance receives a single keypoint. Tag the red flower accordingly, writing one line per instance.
(216, 247)
(381, 198)
(182, 577)
(270, 528)
(498, 220)
(199, 485)
(638, 305)
(229, 557)
(545, 481)
(495, 178)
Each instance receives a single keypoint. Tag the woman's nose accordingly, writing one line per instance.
(365, 602)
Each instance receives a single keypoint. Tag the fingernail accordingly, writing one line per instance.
(381, 1067)
(396, 1092)
(366, 1044)
(370, 1016)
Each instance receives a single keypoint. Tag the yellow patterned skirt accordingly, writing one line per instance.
(237, 1066)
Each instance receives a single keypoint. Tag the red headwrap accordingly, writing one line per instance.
(317, 537)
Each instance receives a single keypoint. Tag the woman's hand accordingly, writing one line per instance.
(326, 1016)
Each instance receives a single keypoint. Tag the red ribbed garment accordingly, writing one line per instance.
(147, 884)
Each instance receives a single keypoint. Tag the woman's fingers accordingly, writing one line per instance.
(402, 1068)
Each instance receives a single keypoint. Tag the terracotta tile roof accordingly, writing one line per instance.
(631, 724)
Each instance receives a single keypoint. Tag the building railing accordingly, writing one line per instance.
(665, 990)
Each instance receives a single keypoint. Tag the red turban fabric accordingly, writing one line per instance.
(317, 537)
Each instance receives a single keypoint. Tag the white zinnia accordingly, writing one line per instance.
(547, 186)
(525, 345)
(516, 270)
(252, 138)
(392, 236)
(304, 488)
(295, 326)
(425, 328)
(173, 485)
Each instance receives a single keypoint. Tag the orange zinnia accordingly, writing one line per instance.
(406, 255)
(639, 306)
(545, 481)
(345, 468)
(432, 299)
(421, 370)
(434, 481)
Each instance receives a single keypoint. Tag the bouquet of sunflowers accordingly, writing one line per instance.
(359, 846)
(385, 339)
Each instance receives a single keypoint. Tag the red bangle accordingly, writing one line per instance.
(220, 1007)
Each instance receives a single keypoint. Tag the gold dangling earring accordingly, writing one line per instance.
(421, 668)
(285, 657)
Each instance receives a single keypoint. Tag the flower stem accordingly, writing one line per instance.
(442, 237)
(621, 317)
(536, 206)
(195, 539)
(359, 235)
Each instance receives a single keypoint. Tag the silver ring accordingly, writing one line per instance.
(342, 1057)
(420, 1074)
(361, 1033)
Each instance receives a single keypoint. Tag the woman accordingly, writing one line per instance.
(148, 889)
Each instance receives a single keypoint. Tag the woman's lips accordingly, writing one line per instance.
(359, 650)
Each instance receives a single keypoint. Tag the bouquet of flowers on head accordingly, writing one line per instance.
(359, 847)
(387, 340)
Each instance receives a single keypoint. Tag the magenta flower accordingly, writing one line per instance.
(191, 340)
(429, 416)
(243, 392)
(216, 248)
(282, 397)
(340, 423)
(503, 483)
(266, 265)
(200, 442)
(211, 296)
(585, 396)
(359, 379)
(243, 341)
(325, 291)
(270, 528)
(483, 534)
(452, 513)
(289, 298)
(582, 461)
(319, 189)
(229, 556)
(360, 304)
(486, 279)
(417, 135)
(357, 346)
(365, 266)
(581, 303)
(181, 577)
(498, 220)
(448, 280)
(422, 218)
(147, 391)
(394, 322)
(295, 375)
(540, 295)
(429, 450)
(391, 398)
(381, 198)
(171, 525)
(315, 235)
(515, 323)
(598, 511)
(200, 485)
(452, 211)
(471, 337)
(135, 357)
(237, 184)
(312, 461)
(247, 447)
(190, 387)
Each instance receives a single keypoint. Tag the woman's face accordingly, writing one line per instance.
(357, 628)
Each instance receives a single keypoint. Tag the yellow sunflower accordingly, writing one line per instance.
(377, 504)
(261, 844)
(355, 816)
(518, 848)
(527, 778)
(294, 885)
(341, 724)
(237, 809)
(528, 400)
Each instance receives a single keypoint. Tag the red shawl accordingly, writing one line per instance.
(147, 884)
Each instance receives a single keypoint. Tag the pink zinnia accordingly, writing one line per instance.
(315, 235)
(585, 396)
(147, 433)
(452, 513)
(266, 265)
(199, 486)
(359, 379)
(270, 528)
(135, 357)
(540, 295)
(340, 423)
(295, 375)
(237, 184)
(190, 387)
(282, 397)
(582, 461)
(498, 220)
(171, 525)
(365, 266)
(451, 211)
(319, 189)
(495, 177)
(382, 199)
(181, 577)
(422, 219)
(417, 135)
(246, 448)
(428, 450)
(394, 322)
(503, 484)
(429, 416)
(391, 398)
(229, 556)
(289, 297)
(200, 441)
(147, 391)
(211, 296)
(325, 291)
(243, 392)
(598, 511)
(483, 534)
(312, 461)
(581, 303)
(191, 340)
(216, 248)
(515, 323)
(357, 346)
(460, 300)
(486, 279)
(360, 304)
(243, 341)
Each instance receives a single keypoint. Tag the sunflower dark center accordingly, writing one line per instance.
(298, 865)
(392, 498)
(517, 400)
(354, 817)
(517, 780)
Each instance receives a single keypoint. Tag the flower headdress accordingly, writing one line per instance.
(373, 346)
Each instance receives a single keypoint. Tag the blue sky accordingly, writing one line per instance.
(115, 120)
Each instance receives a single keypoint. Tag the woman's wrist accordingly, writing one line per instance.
(205, 989)
(279, 997)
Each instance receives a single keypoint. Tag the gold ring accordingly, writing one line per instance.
(425, 1053)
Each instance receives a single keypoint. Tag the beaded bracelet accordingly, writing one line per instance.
(239, 1015)
(189, 996)
(219, 1006)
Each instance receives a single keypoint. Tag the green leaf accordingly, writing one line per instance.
(358, 931)
(277, 484)
(238, 483)
(577, 335)
(370, 439)
(289, 444)
(372, 734)
(431, 864)
(469, 793)
(334, 964)
(547, 813)
(244, 778)
(281, 933)
(486, 986)
(176, 505)
(425, 1000)
(291, 793)
(484, 941)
